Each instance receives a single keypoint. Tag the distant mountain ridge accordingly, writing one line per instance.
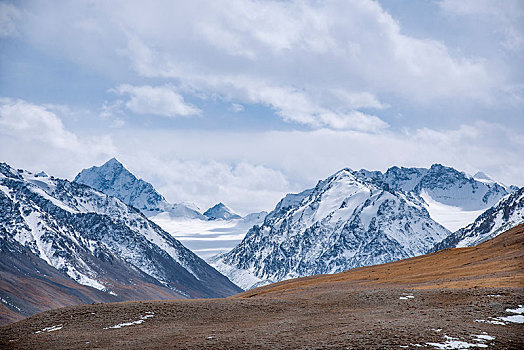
(220, 211)
(358, 218)
(114, 179)
(506, 214)
(347, 220)
(452, 198)
(217, 230)
(99, 241)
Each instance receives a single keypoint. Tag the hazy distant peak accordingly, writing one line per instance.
(220, 211)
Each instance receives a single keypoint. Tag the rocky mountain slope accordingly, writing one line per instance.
(114, 179)
(452, 198)
(29, 285)
(99, 241)
(218, 230)
(346, 221)
(358, 218)
(506, 214)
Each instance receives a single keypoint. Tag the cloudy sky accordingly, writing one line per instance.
(243, 101)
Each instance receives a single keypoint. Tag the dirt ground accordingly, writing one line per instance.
(359, 319)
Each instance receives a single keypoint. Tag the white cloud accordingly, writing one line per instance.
(342, 68)
(304, 157)
(322, 64)
(250, 171)
(9, 16)
(34, 137)
(235, 107)
(158, 100)
(244, 187)
(26, 120)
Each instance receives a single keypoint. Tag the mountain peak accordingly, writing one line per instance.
(42, 174)
(113, 161)
(220, 211)
(114, 179)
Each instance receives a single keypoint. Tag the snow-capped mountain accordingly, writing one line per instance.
(220, 212)
(114, 179)
(452, 198)
(350, 219)
(98, 240)
(507, 213)
(218, 230)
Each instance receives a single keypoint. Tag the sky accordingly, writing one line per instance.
(244, 101)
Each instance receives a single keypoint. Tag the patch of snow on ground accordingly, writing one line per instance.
(483, 337)
(50, 329)
(407, 297)
(133, 323)
(452, 218)
(519, 310)
(518, 318)
(493, 321)
(513, 319)
(454, 343)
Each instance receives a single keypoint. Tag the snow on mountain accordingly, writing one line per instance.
(507, 213)
(218, 230)
(207, 238)
(350, 219)
(114, 179)
(98, 240)
(452, 198)
(220, 212)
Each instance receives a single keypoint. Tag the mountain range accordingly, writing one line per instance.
(95, 240)
(508, 213)
(214, 231)
(359, 218)
(103, 236)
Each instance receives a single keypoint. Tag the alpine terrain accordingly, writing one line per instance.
(452, 198)
(114, 179)
(462, 298)
(98, 241)
(220, 212)
(215, 231)
(358, 218)
(508, 213)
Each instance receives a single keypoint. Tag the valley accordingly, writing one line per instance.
(454, 297)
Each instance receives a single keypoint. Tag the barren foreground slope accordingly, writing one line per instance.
(458, 297)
